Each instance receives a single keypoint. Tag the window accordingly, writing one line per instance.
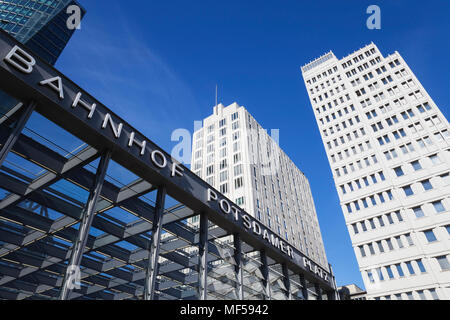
(237, 170)
(433, 294)
(409, 239)
(438, 206)
(399, 242)
(389, 272)
(400, 270)
(421, 295)
(389, 243)
(361, 249)
(380, 246)
(349, 208)
(421, 266)
(389, 217)
(408, 190)
(224, 188)
(238, 183)
(223, 176)
(240, 201)
(443, 262)
(426, 184)
(370, 276)
(380, 274)
(429, 234)
(416, 165)
(435, 159)
(399, 216)
(399, 172)
(363, 226)
(418, 212)
(410, 268)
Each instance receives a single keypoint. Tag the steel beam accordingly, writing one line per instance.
(265, 273)
(304, 287)
(85, 225)
(203, 258)
(287, 281)
(239, 266)
(318, 291)
(153, 256)
(10, 113)
(21, 122)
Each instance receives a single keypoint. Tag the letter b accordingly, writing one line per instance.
(20, 60)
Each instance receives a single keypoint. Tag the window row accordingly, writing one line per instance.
(428, 294)
(324, 74)
(438, 207)
(384, 139)
(359, 58)
(370, 201)
(337, 127)
(434, 234)
(363, 182)
(340, 112)
(353, 150)
(346, 139)
(335, 101)
(331, 92)
(396, 271)
(358, 165)
(366, 66)
(386, 245)
(238, 183)
(377, 222)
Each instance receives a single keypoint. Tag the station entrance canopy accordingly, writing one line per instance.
(71, 229)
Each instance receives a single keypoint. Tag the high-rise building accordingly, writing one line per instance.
(41, 25)
(44, 26)
(235, 155)
(388, 146)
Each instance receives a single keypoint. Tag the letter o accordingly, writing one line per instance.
(161, 156)
(225, 206)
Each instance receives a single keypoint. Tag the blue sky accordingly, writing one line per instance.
(156, 63)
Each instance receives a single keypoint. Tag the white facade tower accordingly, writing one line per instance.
(235, 155)
(388, 146)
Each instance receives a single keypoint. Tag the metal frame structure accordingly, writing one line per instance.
(165, 256)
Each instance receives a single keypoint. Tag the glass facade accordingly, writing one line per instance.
(39, 24)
